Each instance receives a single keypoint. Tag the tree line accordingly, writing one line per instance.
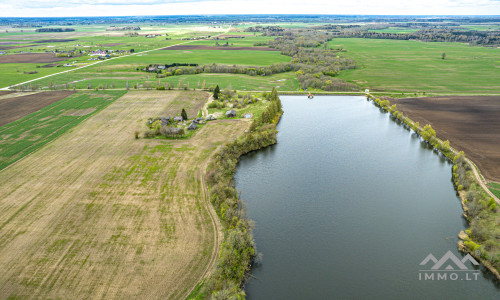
(238, 250)
(472, 37)
(317, 63)
(229, 69)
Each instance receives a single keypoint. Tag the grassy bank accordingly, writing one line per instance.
(238, 248)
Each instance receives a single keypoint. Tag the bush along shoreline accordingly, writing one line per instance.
(482, 239)
(238, 251)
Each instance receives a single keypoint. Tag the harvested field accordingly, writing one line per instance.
(203, 47)
(470, 123)
(15, 43)
(15, 108)
(15, 47)
(192, 101)
(54, 41)
(30, 58)
(99, 214)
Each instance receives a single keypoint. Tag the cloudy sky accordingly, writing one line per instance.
(50, 8)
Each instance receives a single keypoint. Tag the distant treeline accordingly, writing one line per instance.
(471, 37)
(183, 69)
(54, 29)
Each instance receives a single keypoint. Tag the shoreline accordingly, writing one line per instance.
(461, 193)
(229, 276)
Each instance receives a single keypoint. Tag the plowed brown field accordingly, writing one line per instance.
(470, 123)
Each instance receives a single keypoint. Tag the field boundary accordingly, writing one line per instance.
(475, 169)
(218, 232)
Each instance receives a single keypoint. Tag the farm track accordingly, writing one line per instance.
(98, 214)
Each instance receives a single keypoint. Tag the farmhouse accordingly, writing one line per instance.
(177, 119)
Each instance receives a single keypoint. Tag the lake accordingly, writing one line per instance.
(348, 204)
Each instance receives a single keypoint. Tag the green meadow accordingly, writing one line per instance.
(243, 57)
(118, 80)
(248, 41)
(30, 133)
(394, 30)
(412, 66)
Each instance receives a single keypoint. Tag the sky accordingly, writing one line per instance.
(50, 8)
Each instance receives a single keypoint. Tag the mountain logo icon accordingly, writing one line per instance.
(449, 261)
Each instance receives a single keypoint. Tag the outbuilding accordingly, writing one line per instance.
(231, 113)
(192, 126)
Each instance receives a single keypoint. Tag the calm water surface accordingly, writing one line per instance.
(347, 205)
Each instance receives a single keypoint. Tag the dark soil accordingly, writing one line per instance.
(12, 109)
(470, 123)
(31, 58)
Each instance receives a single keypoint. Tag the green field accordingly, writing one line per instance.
(412, 66)
(244, 57)
(395, 30)
(495, 192)
(118, 80)
(30, 133)
(236, 42)
(480, 27)
(494, 185)
(494, 188)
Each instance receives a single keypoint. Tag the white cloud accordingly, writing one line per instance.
(44, 8)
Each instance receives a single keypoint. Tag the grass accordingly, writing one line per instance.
(394, 30)
(32, 132)
(480, 27)
(413, 66)
(495, 192)
(494, 188)
(118, 76)
(243, 57)
(248, 41)
(494, 185)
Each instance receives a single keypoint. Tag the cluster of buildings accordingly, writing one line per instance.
(105, 54)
